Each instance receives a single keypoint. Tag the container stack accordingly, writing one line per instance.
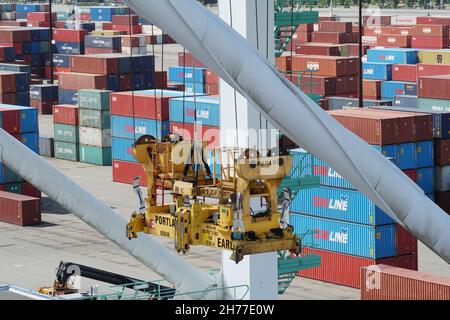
(105, 14)
(23, 9)
(43, 97)
(135, 44)
(351, 231)
(197, 80)
(128, 23)
(14, 88)
(40, 19)
(95, 127)
(69, 41)
(22, 123)
(8, 13)
(134, 114)
(66, 132)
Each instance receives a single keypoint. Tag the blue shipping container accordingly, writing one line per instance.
(24, 7)
(187, 74)
(61, 60)
(425, 179)
(122, 149)
(425, 152)
(122, 127)
(377, 71)
(403, 101)
(22, 82)
(31, 140)
(103, 42)
(393, 55)
(406, 156)
(339, 204)
(202, 109)
(23, 98)
(74, 48)
(7, 175)
(391, 89)
(68, 96)
(44, 92)
(348, 238)
(192, 87)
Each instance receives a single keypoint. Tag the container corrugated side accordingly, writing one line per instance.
(339, 204)
(349, 238)
(384, 283)
(66, 151)
(134, 128)
(125, 172)
(95, 155)
(122, 149)
(66, 133)
(95, 118)
(95, 137)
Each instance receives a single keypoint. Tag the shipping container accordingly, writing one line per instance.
(208, 134)
(204, 110)
(122, 127)
(333, 37)
(404, 72)
(318, 49)
(46, 147)
(66, 114)
(44, 92)
(442, 151)
(95, 137)
(94, 99)
(390, 89)
(97, 64)
(28, 117)
(393, 55)
(30, 140)
(67, 151)
(336, 103)
(103, 42)
(434, 56)
(425, 152)
(372, 89)
(397, 41)
(377, 71)
(442, 179)
(425, 179)
(95, 118)
(427, 42)
(68, 48)
(382, 282)
(339, 204)
(7, 175)
(442, 105)
(345, 270)
(406, 102)
(188, 59)
(335, 26)
(125, 172)
(432, 69)
(80, 81)
(10, 120)
(66, 133)
(95, 155)
(19, 209)
(326, 65)
(349, 238)
(31, 191)
(321, 85)
(69, 35)
(122, 149)
(435, 87)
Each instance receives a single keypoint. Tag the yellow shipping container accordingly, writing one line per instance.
(434, 56)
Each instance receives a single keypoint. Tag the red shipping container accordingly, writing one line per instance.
(325, 49)
(133, 29)
(404, 72)
(66, 114)
(353, 49)
(335, 26)
(321, 85)
(442, 152)
(8, 98)
(400, 30)
(412, 174)
(125, 172)
(85, 17)
(429, 69)
(430, 30)
(189, 59)
(306, 27)
(103, 65)
(372, 89)
(325, 66)
(427, 42)
(148, 106)
(385, 282)
(283, 63)
(40, 16)
(80, 81)
(19, 209)
(394, 41)
(211, 77)
(29, 190)
(434, 87)
(133, 40)
(7, 82)
(405, 241)
(376, 20)
(375, 128)
(327, 18)
(10, 120)
(375, 31)
(69, 35)
(39, 24)
(15, 36)
(13, 23)
(207, 133)
(125, 20)
(433, 20)
(107, 26)
(89, 50)
(212, 89)
(329, 37)
(60, 24)
(344, 269)
(160, 79)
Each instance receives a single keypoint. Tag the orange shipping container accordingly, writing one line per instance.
(80, 81)
(326, 65)
(394, 41)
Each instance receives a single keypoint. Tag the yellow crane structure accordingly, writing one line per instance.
(213, 207)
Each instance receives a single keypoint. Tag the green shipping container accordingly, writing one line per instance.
(96, 155)
(95, 119)
(14, 187)
(94, 99)
(433, 104)
(66, 151)
(66, 133)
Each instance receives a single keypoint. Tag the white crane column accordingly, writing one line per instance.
(240, 127)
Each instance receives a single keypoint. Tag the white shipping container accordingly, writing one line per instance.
(95, 137)
(134, 50)
(403, 21)
(369, 39)
(147, 29)
(8, 16)
(442, 179)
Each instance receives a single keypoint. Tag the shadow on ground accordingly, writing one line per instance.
(52, 207)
